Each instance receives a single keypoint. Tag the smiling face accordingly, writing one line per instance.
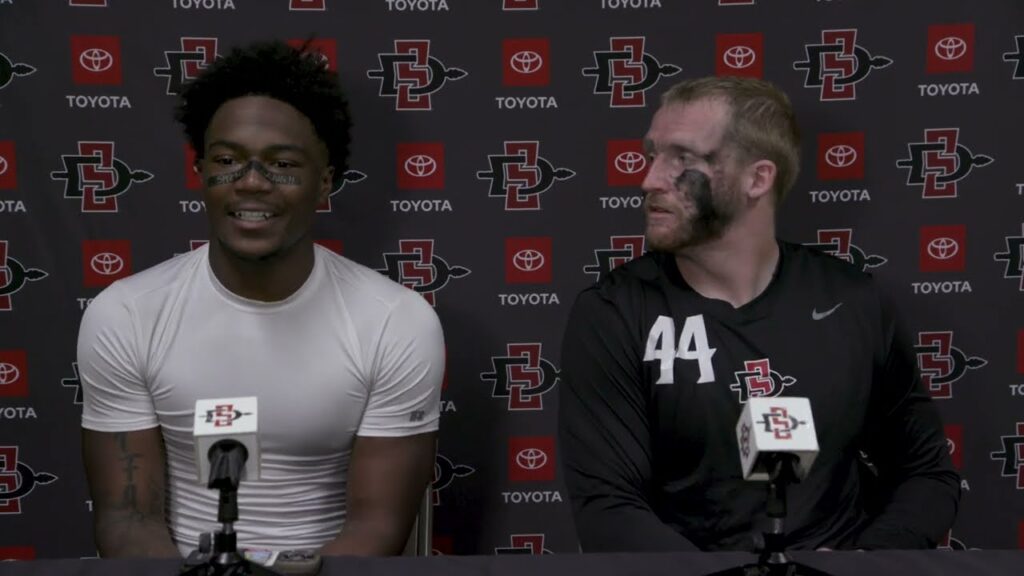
(265, 172)
(692, 191)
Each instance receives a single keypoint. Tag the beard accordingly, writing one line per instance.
(710, 213)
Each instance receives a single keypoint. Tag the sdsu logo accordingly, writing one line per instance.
(411, 75)
(74, 382)
(13, 276)
(626, 72)
(349, 177)
(623, 249)
(939, 162)
(1014, 257)
(224, 415)
(187, 63)
(941, 363)
(837, 64)
(950, 543)
(445, 472)
(524, 544)
(8, 70)
(1012, 456)
(779, 423)
(758, 380)
(416, 266)
(838, 242)
(520, 175)
(522, 376)
(1017, 56)
(17, 480)
(96, 177)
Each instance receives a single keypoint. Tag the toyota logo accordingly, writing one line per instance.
(420, 166)
(630, 162)
(8, 373)
(106, 263)
(526, 61)
(3, 165)
(96, 60)
(528, 260)
(840, 156)
(943, 248)
(739, 57)
(531, 458)
(950, 48)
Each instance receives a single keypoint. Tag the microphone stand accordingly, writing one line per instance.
(227, 459)
(773, 561)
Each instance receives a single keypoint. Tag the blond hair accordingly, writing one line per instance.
(761, 125)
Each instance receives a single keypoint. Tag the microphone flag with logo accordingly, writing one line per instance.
(775, 426)
(226, 419)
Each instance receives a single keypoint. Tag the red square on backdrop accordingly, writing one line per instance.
(508, 5)
(299, 5)
(104, 261)
(739, 55)
(526, 62)
(841, 156)
(8, 166)
(955, 439)
(1020, 351)
(528, 260)
(531, 459)
(13, 374)
(943, 248)
(96, 60)
(442, 545)
(333, 245)
(626, 162)
(420, 165)
(17, 553)
(326, 47)
(88, 3)
(950, 48)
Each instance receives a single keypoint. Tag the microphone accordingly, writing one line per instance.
(225, 431)
(771, 430)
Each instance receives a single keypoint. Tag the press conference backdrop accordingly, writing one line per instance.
(495, 169)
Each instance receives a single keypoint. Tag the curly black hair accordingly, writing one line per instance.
(296, 76)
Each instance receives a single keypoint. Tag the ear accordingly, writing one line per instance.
(759, 178)
(326, 184)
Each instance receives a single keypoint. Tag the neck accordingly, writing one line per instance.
(266, 280)
(738, 266)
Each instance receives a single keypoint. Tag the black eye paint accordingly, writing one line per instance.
(708, 220)
(282, 179)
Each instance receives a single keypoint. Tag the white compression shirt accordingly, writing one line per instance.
(350, 353)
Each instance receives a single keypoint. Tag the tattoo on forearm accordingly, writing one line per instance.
(129, 500)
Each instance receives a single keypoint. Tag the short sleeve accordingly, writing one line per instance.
(115, 395)
(407, 368)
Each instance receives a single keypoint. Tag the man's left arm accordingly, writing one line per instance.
(907, 444)
(386, 482)
(392, 460)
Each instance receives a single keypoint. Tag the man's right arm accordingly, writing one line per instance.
(126, 480)
(122, 443)
(605, 434)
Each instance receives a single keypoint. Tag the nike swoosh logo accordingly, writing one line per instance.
(815, 315)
